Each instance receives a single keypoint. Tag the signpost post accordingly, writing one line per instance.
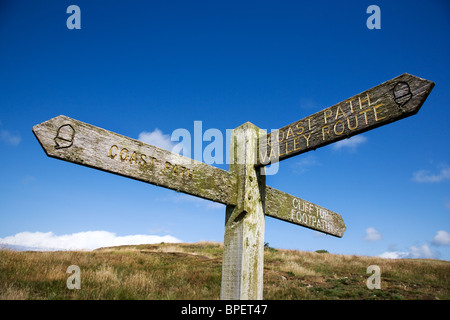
(243, 188)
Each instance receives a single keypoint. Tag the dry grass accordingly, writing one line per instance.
(330, 276)
(193, 271)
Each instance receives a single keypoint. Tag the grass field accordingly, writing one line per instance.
(193, 271)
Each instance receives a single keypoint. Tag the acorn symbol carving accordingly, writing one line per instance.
(402, 94)
(64, 136)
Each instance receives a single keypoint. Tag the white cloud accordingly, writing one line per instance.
(308, 103)
(424, 176)
(415, 252)
(394, 255)
(442, 238)
(28, 179)
(157, 138)
(304, 163)
(9, 138)
(421, 252)
(198, 202)
(372, 235)
(88, 240)
(350, 144)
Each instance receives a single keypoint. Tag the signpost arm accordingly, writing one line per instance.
(243, 255)
(390, 101)
(283, 206)
(84, 144)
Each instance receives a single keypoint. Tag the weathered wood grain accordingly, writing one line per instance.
(285, 207)
(243, 189)
(243, 252)
(388, 102)
(77, 142)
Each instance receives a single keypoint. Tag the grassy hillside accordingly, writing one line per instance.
(193, 271)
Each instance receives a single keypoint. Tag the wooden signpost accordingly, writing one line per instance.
(243, 188)
(81, 143)
(390, 101)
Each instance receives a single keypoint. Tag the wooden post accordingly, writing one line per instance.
(243, 255)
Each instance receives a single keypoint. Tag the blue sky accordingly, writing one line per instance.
(138, 66)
